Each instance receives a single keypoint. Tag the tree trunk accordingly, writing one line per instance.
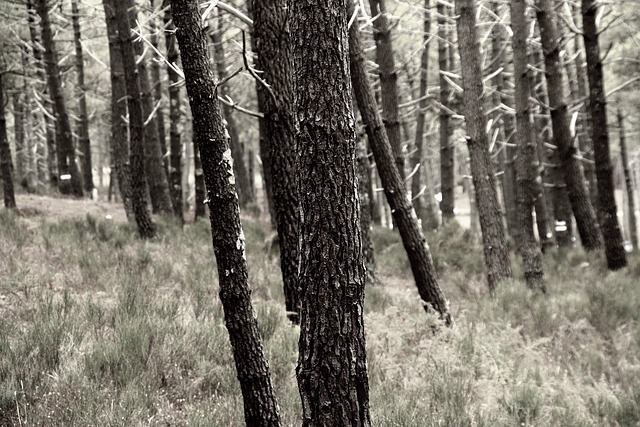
(495, 250)
(156, 84)
(6, 165)
(199, 182)
(614, 249)
(275, 60)
(364, 183)
(146, 226)
(260, 406)
(526, 151)
(81, 93)
(573, 177)
(447, 152)
(70, 179)
(633, 225)
(402, 210)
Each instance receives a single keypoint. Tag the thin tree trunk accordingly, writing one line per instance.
(447, 152)
(526, 150)
(81, 93)
(275, 60)
(633, 225)
(156, 83)
(402, 210)
(252, 368)
(364, 183)
(199, 184)
(146, 226)
(474, 224)
(18, 130)
(70, 179)
(6, 165)
(495, 250)
(374, 197)
(573, 176)
(614, 249)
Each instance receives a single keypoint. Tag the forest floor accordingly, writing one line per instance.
(100, 328)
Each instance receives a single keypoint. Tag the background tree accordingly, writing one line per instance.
(6, 164)
(628, 180)
(447, 149)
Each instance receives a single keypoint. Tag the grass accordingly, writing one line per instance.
(100, 328)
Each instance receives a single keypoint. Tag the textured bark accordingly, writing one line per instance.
(32, 140)
(493, 239)
(631, 206)
(260, 406)
(402, 210)
(175, 141)
(447, 151)
(526, 151)
(64, 140)
(332, 366)
(146, 226)
(613, 246)
(119, 141)
(81, 93)
(364, 183)
(275, 60)
(573, 176)
(6, 165)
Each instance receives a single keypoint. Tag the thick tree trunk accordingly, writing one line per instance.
(332, 365)
(146, 226)
(495, 250)
(6, 164)
(614, 250)
(275, 60)
(447, 152)
(70, 179)
(573, 177)
(81, 93)
(628, 179)
(260, 406)
(402, 210)
(526, 151)
(119, 141)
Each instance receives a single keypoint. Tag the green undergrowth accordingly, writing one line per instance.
(100, 328)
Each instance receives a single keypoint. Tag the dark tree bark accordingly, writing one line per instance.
(175, 141)
(613, 246)
(526, 151)
(156, 84)
(275, 59)
(146, 226)
(495, 250)
(628, 179)
(64, 140)
(447, 151)
(6, 165)
(260, 406)
(332, 367)
(119, 141)
(573, 177)
(402, 210)
(81, 93)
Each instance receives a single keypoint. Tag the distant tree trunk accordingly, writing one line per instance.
(364, 183)
(402, 210)
(374, 197)
(474, 225)
(614, 249)
(260, 406)
(275, 60)
(200, 189)
(6, 165)
(526, 151)
(64, 140)
(18, 130)
(573, 177)
(156, 84)
(146, 226)
(81, 93)
(175, 166)
(495, 250)
(119, 141)
(446, 148)
(633, 230)
(31, 142)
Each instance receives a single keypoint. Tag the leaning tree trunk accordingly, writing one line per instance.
(633, 225)
(67, 167)
(493, 239)
(613, 246)
(83, 125)
(260, 406)
(402, 210)
(526, 151)
(119, 141)
(332, 365)
(6, 165)
(447, 151)
(275, 60)
(146, 226)
(573, 176)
